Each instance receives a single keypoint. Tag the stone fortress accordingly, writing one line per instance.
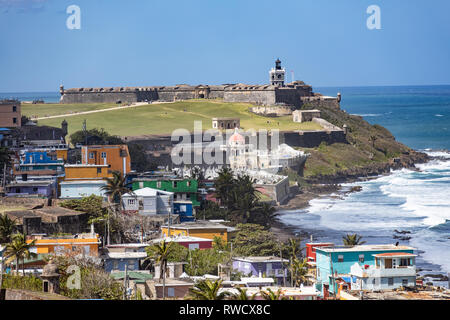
(277, 94)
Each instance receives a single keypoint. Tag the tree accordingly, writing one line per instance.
(95, 135)
(271, 295)
(199, 175)
(242, 295)
(19, 249)
(207, 290)
(205, 261)
(7, 227)
(116, 187)
(264, 214)
(298, 269)
(224, 184)
(352, 240)
(160, 253)
(254, 240)
(211, 210)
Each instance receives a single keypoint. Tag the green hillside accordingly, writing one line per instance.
(161, 118)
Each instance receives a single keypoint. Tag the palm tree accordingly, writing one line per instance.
(7, 226)
(160, 253)
(265, 214)
(352, 240)
(207, 290)
(299, 270)
(115, 188)
(19, 249)
(272, 295)
(242, 295)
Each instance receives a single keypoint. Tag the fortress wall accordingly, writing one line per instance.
(316, 103)
(272, 111)
(216, 94)
(171, 95)
(99, 97)
(262, 97)
(312, 139)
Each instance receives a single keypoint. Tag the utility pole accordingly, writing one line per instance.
(125, 284)
(282, 267)
(85, 132)
(4, 176)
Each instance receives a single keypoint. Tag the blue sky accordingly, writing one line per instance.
(166, 42)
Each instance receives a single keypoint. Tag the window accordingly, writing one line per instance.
(340, 258)
(174, 184)
(14, 120)
(171, 292)
(131, 202)
(391, 281)
(361, 258)
(404, 282)
(116, 264)
(174, 197)
(188, 196)
(131, 264)
(188, 183)
(158, 184)
(99, 170)
(35, 189)
(91, 155)
(404, 262)
(103, 155)
(14, 109)
(193, 246)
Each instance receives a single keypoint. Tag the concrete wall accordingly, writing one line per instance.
(15, 294)
(262, 97)
(311, 139)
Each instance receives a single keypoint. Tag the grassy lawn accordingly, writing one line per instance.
(164, 118)
(53, 109)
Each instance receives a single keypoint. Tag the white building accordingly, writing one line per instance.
(392, 270)
(81, 188)
(246, 156)
(148, 201)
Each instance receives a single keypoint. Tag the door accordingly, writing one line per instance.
(388, 263)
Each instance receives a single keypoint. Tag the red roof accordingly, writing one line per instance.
(393, 254)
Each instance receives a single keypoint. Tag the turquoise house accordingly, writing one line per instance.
(334, 263)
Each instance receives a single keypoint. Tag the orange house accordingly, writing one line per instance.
(117, 157)
(87, 244)
(87, 172)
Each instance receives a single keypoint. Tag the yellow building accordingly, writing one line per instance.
(200, 229)
(84, 243)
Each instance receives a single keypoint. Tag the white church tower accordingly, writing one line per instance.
(277, 74)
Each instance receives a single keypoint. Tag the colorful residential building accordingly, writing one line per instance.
(334, 263)
(81, 188)
(201, 229)
(119, 261)
(79, 244)
(266, 267)
(39, 188)
(117, 157)
(87, 172)
(192, 243)
(148, 201)
(183, 189)
(184, 209)
(391, 270)
(10, 113)
(40, 162)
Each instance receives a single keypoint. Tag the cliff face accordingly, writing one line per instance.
(371, 150)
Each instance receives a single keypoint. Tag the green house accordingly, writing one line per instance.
(183, 189)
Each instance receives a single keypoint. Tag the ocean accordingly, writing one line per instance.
(416, 203)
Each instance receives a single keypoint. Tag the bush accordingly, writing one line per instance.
(28, 282)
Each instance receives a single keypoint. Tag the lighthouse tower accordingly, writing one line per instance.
(277, 74)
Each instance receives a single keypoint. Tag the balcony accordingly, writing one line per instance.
(408, 271)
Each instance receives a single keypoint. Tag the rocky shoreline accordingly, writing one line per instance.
(325, 185)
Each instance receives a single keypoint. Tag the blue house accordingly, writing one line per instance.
(262, 267)
(184, 209)
(333, 263)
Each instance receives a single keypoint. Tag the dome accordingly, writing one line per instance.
(236, 138)
(50, 270)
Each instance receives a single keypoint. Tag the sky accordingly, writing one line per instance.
(168, 42)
